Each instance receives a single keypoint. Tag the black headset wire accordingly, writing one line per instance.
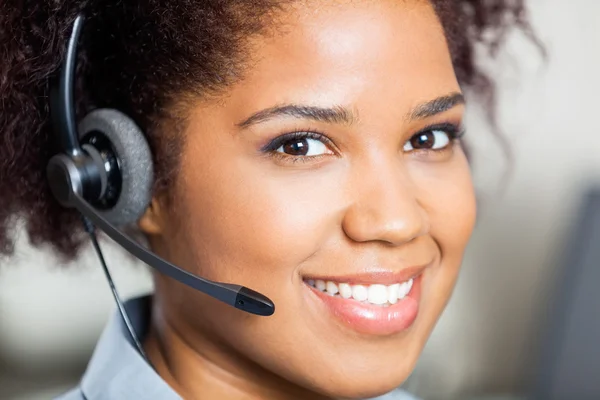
(91, 230)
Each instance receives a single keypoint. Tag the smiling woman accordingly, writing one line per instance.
(309, 150)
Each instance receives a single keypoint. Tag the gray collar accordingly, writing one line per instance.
(116, 370)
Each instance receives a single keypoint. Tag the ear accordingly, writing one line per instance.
(152, 220)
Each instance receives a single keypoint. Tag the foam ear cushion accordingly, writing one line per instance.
(135, 160)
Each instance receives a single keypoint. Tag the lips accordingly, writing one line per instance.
(373, 304)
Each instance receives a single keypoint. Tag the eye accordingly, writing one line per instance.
(432, 139)
(302, 144)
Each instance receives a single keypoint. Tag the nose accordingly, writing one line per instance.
(385, 208)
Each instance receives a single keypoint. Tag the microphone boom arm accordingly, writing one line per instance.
(237, 296)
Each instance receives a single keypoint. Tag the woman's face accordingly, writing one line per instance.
(332, 160)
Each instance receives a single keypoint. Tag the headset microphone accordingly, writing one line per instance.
(105, 172)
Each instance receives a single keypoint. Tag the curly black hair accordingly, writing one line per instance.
(142, 57)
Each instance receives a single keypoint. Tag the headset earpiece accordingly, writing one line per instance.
(111, 168)
(112, 137)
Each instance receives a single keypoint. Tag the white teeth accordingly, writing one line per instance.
(331, 288)
(360, 292)
(393, 293)
(319, 284)
(375, 294)
(378, 294)
(403, 290)
(345, 290)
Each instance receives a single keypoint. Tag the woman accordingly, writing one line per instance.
(308, 150)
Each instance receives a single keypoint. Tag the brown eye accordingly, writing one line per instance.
(424, 140)
(296, 147)
(429, 140)
(303, 146)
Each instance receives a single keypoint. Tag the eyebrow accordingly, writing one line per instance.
(342, 115)
(331, 115)
(436, 106)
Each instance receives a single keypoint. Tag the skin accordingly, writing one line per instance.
(266, 220)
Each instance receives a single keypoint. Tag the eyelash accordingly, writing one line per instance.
(279, 141)
(308, 134)
(454, 132)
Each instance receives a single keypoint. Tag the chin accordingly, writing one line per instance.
(363, 373)
(368, 384)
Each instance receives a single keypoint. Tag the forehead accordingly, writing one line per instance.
(355, 53)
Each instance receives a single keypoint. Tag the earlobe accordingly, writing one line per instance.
(151, 222)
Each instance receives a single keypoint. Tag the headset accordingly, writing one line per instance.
(105, 171)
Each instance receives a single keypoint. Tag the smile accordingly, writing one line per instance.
(373, 304)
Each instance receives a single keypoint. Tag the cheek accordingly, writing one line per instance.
(447, 194)
(254, 218)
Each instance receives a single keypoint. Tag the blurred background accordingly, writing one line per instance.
(525, 312)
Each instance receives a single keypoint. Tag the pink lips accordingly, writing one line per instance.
(371, 319)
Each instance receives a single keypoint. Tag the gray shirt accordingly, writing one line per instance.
(117, 371)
